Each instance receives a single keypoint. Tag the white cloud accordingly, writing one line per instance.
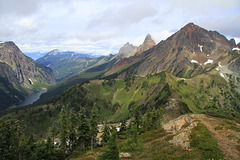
(103, 27)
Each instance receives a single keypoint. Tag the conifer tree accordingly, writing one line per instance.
(83, 131)
(63, 129)
(72, 130)
(138, 119)
(28, 148)
(123, 127)
(111, 153)
(94, 127)
(106, 134)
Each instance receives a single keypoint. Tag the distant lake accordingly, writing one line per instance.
(32, 98)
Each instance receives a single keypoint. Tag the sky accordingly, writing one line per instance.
(101, 27)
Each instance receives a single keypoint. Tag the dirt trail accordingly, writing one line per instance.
(226, 144)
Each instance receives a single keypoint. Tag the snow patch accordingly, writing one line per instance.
(194, 61)
(238, 49)
(200, 47)
(31, 82)
(219, 64)
(208, 61)
(211, 40)
(1, 42)
(217, 69)
(193, 52)
(221, 74)
(207, 55)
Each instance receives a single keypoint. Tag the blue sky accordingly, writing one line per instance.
(103, 26)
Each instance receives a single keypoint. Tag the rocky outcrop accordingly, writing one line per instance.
(126, 51)
(232, 42)
(181, 128)
(234, 66)
(147, 44)
(238, 45)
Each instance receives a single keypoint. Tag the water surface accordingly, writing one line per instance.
(32, 98)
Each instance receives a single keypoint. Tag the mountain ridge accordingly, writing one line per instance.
(21, 71)
(176, 53)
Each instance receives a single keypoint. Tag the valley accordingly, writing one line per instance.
(178, 99)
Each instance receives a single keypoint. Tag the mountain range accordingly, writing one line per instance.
(66, 64)
(180, 97)
(186, 53)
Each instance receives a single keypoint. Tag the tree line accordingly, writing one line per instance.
(74, 131)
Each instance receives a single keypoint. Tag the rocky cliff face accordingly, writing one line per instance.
(25, 69)
(186, 53)
(18, 70)
(147, 44)
(126, 51)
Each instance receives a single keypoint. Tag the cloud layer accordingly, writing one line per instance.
(103, 26)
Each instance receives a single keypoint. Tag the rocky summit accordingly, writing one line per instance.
(147, 44)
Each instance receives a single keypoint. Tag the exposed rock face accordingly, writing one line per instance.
(181, 128)
(232, 42)
(126, 51)
(235, 66)
(177, 52)
(238, 45)
(24, 67)
(147, 44)
(16, 70)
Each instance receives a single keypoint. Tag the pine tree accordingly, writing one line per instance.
(111, 153)
(138, 119)
(106, 134)
(72, 130)
(83, 131)
(63, 129)
(28, 148)
(123, 127)
(94, 127)
(147, 121)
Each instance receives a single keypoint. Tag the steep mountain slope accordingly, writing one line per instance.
(186, 53)
(66, 64)
(18, 71)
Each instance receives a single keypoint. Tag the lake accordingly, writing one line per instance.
(32, 98)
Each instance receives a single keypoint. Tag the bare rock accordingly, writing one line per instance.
(125, 155)
(181, 128)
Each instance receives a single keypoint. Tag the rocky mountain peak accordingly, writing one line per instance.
(191, 44)
(54, 52)
(238, 45)
(126, 51)
(232, 42)
(147, 44)
(148, 38)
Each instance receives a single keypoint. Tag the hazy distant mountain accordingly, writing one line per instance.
(20, 73)
(66, 64)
